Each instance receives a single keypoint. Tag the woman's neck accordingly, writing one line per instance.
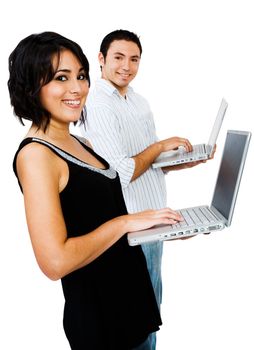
(55, 132)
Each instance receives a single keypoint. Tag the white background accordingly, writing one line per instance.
(195, 53)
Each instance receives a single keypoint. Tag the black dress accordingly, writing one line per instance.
(110, 303)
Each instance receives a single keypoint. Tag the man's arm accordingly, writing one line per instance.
(103, 131)
(145, 159)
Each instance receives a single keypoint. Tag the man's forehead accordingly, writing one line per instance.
(124, 47)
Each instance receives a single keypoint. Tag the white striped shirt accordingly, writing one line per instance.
(119, 128)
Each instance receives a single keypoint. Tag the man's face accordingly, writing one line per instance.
(121, 64)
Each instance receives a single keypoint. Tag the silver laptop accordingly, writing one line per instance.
(217, 216)
(200, 152)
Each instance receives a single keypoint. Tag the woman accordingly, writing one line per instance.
(75, 211)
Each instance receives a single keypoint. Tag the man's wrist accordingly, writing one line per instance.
(157, 148)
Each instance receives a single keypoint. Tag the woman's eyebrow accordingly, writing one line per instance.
(65, 70)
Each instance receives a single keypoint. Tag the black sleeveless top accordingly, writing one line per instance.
(110, 303)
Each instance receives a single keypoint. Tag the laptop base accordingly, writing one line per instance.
(170, 232)
(175, 158)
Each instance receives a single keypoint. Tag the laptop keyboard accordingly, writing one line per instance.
(199, 148)
(196, 149)
(196, 216)
(196, 220)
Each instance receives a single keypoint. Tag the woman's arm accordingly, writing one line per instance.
(42, 176)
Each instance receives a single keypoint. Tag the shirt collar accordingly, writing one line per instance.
(109, 89)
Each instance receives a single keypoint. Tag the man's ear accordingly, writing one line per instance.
(101, 59)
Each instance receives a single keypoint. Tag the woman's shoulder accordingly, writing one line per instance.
(34, 154)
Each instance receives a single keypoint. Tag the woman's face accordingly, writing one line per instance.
(65, 95)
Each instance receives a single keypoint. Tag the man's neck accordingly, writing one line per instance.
(122, 90)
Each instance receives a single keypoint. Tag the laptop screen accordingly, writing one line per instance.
(218, 123)
(230, 172)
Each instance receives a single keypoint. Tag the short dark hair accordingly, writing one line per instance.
(119, 34)
(30, 67)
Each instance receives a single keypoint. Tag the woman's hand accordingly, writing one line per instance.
(145, 219)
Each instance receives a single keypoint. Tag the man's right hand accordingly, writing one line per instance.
(174, 143)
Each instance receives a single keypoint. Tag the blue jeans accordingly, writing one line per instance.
(153, 254)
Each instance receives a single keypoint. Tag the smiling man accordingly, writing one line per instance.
(120, 64)
(120, 127)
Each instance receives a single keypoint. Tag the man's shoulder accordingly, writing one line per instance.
(97, 98)
(138, 97)
(101, 94)
(100, 104)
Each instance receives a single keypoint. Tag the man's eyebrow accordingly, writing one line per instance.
(121, 54)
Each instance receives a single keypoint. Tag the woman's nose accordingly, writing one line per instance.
(75, 86)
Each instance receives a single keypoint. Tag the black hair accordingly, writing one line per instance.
(30, 67)
(119, 34)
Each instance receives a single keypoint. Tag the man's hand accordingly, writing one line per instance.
(173, 143)
(188, 165)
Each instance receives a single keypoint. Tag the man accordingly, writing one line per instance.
(121, 129)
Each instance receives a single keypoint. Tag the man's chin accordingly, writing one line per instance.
(123, 82)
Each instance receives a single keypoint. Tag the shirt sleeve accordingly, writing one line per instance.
(102, 129)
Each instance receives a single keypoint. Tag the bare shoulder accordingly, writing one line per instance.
(35, 158)
(34, 153)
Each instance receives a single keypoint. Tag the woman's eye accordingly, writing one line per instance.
(82, 77)
(61, 78)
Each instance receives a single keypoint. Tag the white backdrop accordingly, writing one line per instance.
(194, 53)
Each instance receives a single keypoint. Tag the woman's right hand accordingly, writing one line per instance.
(148, 218)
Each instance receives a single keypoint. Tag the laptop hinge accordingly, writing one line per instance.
(219, 215)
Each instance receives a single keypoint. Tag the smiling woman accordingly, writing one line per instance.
(65, 95)
(26, 82)
(75, 211)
